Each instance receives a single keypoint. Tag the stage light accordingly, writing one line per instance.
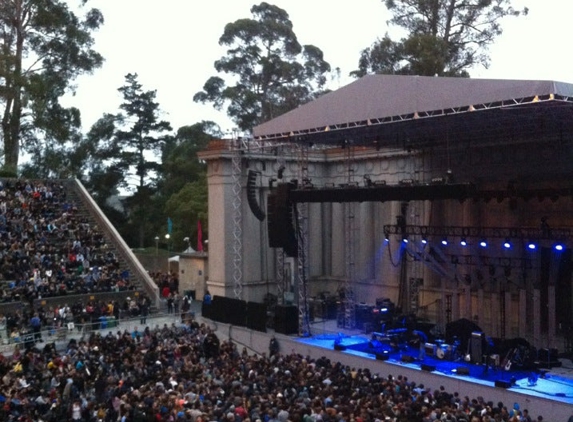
(424, 240)
(507, 244)
(405, 239)
(531, 246)
(559, 247)
(463, 242)
(483, 243)
(445, 241)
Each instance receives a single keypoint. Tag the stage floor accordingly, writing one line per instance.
(555, 383)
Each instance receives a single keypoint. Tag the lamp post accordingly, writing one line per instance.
(167, 236)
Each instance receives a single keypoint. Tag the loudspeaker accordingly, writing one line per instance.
(339, 346)
(382, 356)
(462, 370)
(429, 368)
(476, 345)
(407, 358)
(252, 195)
(257, 316)
(502, 384)
(286, 319)
(280, 221)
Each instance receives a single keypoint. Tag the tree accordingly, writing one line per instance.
(445, 37)
(120, 153)
(273, 72)
(44, 47)
(186, 207)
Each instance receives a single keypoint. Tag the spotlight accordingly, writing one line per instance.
(463, 242)
(445, 241)
(559, 247)
(483, 243)
(531, 246)
(405, 239)
(507, 244)
(424, 240)
(386, 236)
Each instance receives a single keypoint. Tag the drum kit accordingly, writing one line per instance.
(442, 350)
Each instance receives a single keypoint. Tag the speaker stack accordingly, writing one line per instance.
(280, 220)
(252, 195)
(286, 319)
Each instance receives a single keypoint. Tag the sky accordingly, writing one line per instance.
(172, 45)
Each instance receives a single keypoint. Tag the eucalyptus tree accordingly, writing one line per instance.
(444, 37)
(44, 46)
(269, 71)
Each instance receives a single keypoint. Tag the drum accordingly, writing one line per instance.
(443, 351)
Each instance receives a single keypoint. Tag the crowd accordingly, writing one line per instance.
(183, 372)
(48, 249)
(15, 327)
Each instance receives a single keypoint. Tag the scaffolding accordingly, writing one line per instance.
(237, 219)
(302, 256)
(350, 239)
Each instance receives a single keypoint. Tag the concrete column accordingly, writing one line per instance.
(468, 303)
(484, 318)
(522, 313)
(536, 305)
(508, 327)
(551, 315)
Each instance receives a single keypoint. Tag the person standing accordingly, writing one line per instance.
(143, 311)
(36, 325)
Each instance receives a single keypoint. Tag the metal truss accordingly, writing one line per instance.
(526, 233)
(350, 239)
(237, 221)
(329, 131)
(302, 256)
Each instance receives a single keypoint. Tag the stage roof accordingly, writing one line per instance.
(385, 110)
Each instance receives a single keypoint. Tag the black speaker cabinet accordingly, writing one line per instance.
(502, 384)
(257, 316)
(462, 370)
(407, 358)
(286, 319)
(429, 368)
(382, 356)
(339, 346)
(476, 344)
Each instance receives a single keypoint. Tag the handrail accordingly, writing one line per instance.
(151, 288)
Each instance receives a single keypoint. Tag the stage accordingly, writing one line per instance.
(553, 385)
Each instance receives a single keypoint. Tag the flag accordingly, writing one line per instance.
(199, 237)
(169, 225)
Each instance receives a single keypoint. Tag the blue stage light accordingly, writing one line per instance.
(405, 240)
(559, 247)
(531, 246)
(507, 244)
(483, 243)
(444, 241)
(463, 242)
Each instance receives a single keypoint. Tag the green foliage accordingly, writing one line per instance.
(272, 72)
(445, 37)
(186, 208)
(180, 162)
(45, 45)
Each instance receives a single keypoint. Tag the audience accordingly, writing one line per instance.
(48, 249)
(184, 373)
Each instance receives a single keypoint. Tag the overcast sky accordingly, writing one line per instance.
(172, 45)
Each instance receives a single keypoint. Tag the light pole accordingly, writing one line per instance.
(167, 236)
